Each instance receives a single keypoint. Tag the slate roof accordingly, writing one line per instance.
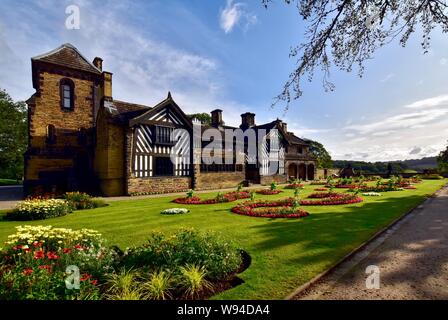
(68, 56)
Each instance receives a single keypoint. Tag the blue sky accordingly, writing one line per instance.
(234, 55)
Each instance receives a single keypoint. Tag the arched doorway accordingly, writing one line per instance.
(292, 171)
(310, 172)
(302, 171)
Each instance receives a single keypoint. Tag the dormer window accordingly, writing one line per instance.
(67, 89)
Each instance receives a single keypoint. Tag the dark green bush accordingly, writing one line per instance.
(220, 258)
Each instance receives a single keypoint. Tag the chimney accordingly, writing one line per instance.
(217, 118)
(98, 62)
(247, 120)
(107, 84)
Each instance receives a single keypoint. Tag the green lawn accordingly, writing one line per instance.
(285, 252)
(9, 182)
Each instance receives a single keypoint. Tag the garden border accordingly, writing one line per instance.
(362, 246)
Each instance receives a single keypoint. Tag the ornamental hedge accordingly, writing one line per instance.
(286, 208)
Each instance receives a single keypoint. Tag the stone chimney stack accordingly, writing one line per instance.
(247, 120)
(107, 85)
(98, 62)
(217, 118)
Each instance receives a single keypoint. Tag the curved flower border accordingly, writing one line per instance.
(268, 192)
(227, 197)
(339, 200)
(271, 209)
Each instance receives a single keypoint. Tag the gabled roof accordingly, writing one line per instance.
(68, 56)
(168, 102)
(122, 112)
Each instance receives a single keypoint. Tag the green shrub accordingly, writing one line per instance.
(193, 281)
(81, 200)
(187, 246)
(158, 286)
(273, 185)
(39, 209)
(124, 285)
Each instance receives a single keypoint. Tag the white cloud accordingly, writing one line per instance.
(388, 77)
(235, 14)
(443, 61)
(430, 102)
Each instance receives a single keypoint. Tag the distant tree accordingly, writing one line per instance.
(442, 160)
(204, 117)
(322, 155)
(13, 136)
(346, 33)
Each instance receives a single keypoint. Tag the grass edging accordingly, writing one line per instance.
(311, 282)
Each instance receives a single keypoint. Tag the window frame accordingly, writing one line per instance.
(62, 90)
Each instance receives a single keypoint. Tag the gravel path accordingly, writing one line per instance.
(412, 258)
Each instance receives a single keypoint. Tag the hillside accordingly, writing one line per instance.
(397, 166)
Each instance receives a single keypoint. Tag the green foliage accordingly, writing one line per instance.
(220, 197)
(190, 194)
(273, 185)
(158, 286)
(13, 136)
(252, 196)
(187, 246)
(124, 285)
(39, 209)
(322, 155)
(442, 161)
(239, 187)
(204, 117)
(81, 200)
(193, 280)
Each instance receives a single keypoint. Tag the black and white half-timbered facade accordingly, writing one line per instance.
(81, 138)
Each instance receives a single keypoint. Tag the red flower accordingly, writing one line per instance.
(36, 244)
(45, 267)
(94, 282)
(52, 256)
(28, 271)
(39, 254)
(67, 250)
(78, 246)
(18, 247)
(85, 277)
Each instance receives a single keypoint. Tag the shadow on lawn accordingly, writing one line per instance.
(328, 236)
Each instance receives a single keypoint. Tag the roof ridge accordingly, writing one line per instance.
(70, 46)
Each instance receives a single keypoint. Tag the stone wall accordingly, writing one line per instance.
(110, 156)
(266, 180)
(155, 185)
(219, 180)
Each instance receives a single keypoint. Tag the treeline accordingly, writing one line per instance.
(382, 167)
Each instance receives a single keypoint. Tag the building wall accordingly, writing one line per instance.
(219, 180)
(110, 156)
(266, 180)
(46, 110)
(155, 185)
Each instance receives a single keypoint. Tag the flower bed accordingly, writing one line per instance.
(270, 209)
(410, 187)
(380, 188)
(268, 192)
(81, 200)
(35, 258)
(321, 189)
(339, 200)
(347, 186)
(318, 183)
(227, 197)
(320, 195)
(294, 186)
(175, 211)
(38, 209)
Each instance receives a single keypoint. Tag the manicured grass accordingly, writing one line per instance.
(9, 182)
(285, 252)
